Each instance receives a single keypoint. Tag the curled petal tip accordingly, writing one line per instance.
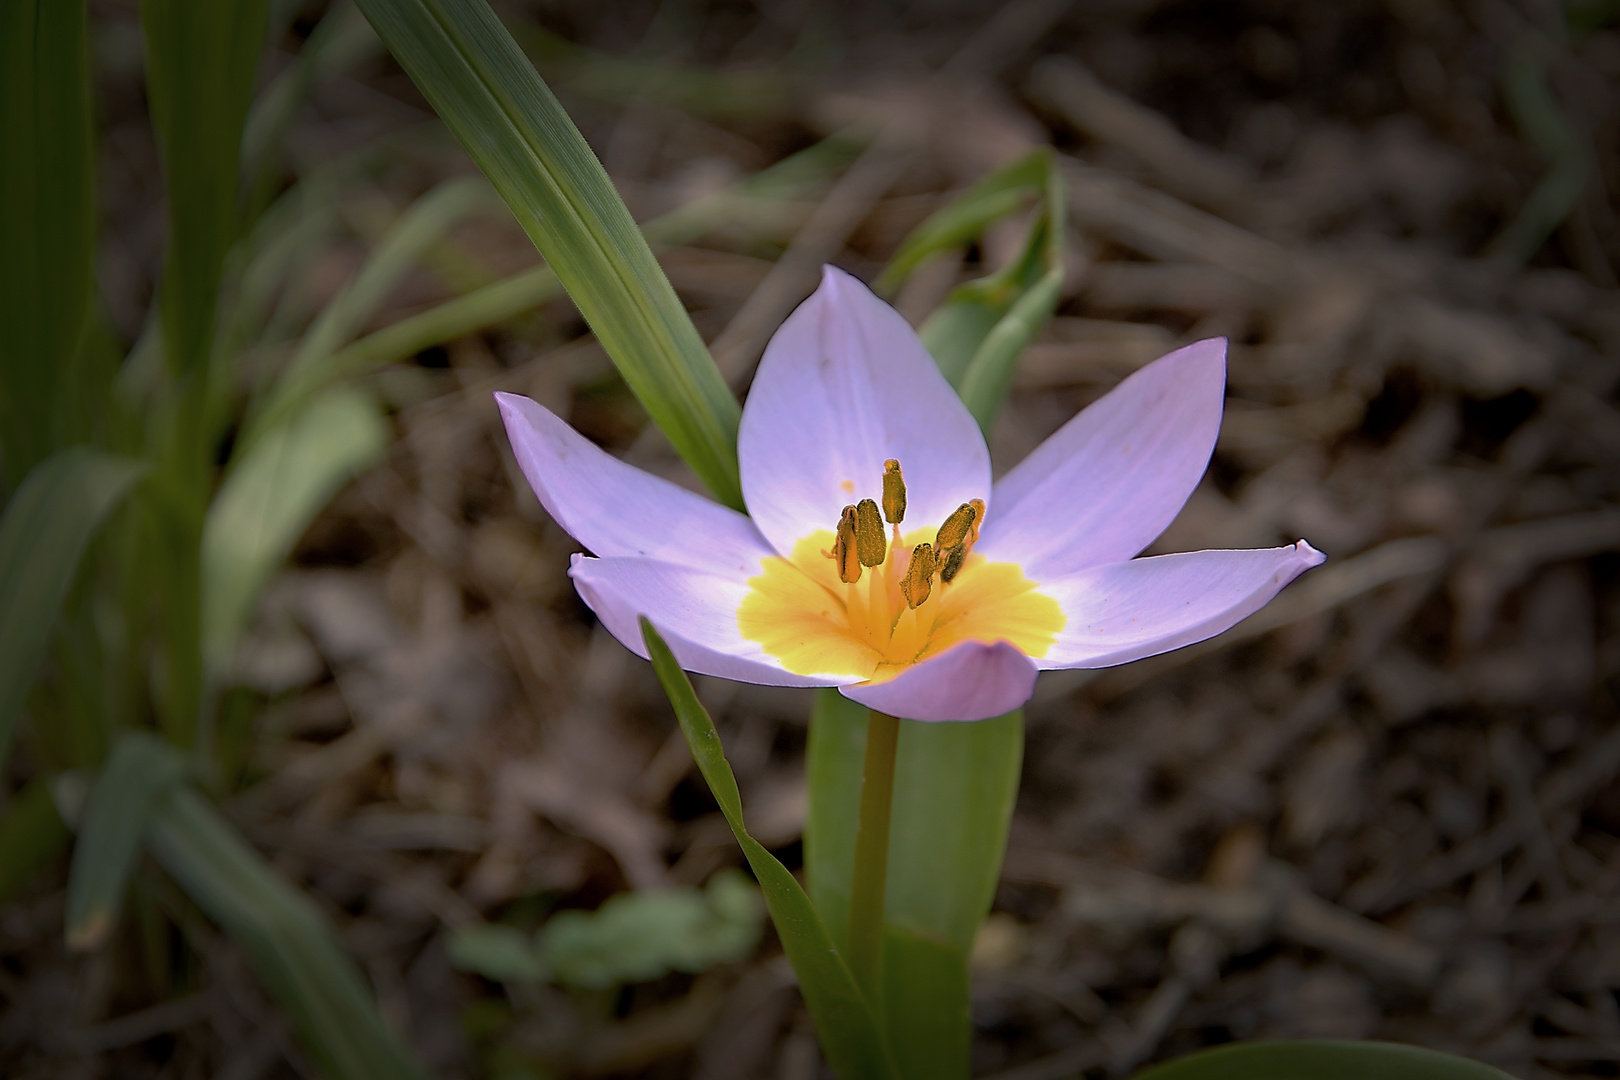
(1309, 555)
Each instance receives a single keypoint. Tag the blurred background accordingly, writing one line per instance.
(1386, 806)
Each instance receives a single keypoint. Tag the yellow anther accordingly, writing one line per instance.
(957, 527)
(845, 549)
(978, 520)
(871, 546)
(951, 564)
(919, 579)
(894, 492)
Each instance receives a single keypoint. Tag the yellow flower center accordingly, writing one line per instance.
(816, 613)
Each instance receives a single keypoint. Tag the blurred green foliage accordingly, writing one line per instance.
(633, 937)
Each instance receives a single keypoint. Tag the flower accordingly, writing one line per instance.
(877, 556)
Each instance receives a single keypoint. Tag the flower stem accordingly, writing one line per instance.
(872, 855)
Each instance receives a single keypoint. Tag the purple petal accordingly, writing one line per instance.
(695, 611)
(1128, 610)
(845, 384)
(1113, 478)
(617, 510)
(971, 681)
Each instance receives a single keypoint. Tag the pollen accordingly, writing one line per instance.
(817, 613)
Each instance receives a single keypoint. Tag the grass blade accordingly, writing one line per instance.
(482, 86)
(293, 950)
(46, 528)
(849, 1033)
(201, 61)
(138, 771)
(47, 217)
(268, 499)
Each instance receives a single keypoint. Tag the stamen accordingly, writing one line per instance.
(871, 545)
(957, 526)
(894, 492)
(952, 557)
(844, 548)
(919, 580)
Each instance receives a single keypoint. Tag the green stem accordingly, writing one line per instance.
(872, 855)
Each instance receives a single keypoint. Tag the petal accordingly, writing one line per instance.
(615, 509)
(1128, 610)
(844, 385)
(1113, 478)
(695, 610)
(972, 681)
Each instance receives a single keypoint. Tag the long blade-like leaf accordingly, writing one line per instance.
(47, 217)
(46, 527)
(849, 1033)
(270, 497)
(201, 60)
(292, 948)
(479, 82)
(138, 771)
(1320, 1059)
(954, 789)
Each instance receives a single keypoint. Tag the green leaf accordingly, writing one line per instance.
(293, 950)
(833, 760)
(1005, 191)
(32, 837)
(339, 42)
(1320, 1059)
(502, 953)
(848, 1031)
(268, 500)
(201, 61)
(47, 217)
(420, 227)
(479, 82)
(46, 527)
(641, 936)
(927, 1004)
(978, 334)
(754, 198)
(954, 789)
(706, 91)
(138, 771)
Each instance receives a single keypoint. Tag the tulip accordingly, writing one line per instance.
(877, 555)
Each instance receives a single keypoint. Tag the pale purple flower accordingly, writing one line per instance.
(1034, 572)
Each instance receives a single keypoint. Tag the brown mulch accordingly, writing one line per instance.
(1387, 806)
